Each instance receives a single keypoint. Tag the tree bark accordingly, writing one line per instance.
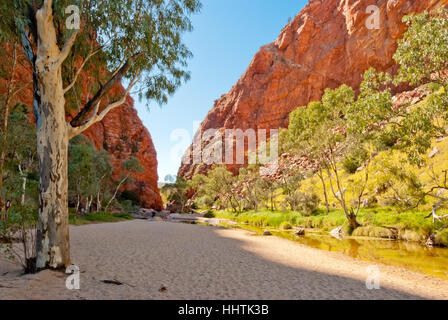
(24, 180)
(52, 243)
(321, 177)
(98, 202)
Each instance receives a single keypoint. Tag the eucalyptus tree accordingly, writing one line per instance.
(326, 132)
(139, 41)
(423, 57)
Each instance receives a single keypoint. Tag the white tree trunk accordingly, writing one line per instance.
(24, 179)
(53, 245)
(98, 202)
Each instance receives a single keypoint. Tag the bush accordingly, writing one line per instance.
(298, 201)
(285, 225)
(19, 228)
(374, 232)
(206, 201)
(442, 238)
(309, 203)
(209, 215)
(354, 161)
(128, 207)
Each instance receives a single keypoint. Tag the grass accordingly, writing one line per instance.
(386, 223)
(100, 217)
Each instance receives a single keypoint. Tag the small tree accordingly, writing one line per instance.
(177, 192)
(321, 130)
(130, 167)
(221, 185)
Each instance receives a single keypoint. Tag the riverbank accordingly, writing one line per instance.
(162, 260)
(381, 223)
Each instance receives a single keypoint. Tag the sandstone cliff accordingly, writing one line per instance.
(326, 45)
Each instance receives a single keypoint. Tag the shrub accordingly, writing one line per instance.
(374, 232)
(19, 228)
(309, 203)
(206, 201)
(354, 160)
(298, 201)
(128, 207)
(209, 215)
(285, 225)
(442, 238)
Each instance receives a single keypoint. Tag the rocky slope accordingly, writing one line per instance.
(326, 45)
(121, 133)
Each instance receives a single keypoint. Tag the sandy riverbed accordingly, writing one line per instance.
(199, 262)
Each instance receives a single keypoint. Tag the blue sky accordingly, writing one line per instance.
(227, 34)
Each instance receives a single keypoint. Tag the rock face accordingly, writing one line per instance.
(121, 133)
(327, 44)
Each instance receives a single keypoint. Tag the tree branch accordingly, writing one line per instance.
(65, 50)
(81, 117)
(47, 6)
(78, 72)
(74, 131)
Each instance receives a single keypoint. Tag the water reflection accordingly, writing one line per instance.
(413, 256)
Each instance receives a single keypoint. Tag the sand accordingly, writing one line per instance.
(200, 262)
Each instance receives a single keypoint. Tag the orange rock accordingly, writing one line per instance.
(328, 44)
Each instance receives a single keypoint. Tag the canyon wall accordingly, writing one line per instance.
(327, 44)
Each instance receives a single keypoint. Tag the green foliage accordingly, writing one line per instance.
(132, 165)
(20, 176)
(423, 51)
(176, 193)
(374, 232)
(442, 238)
(89, 172)
(205, 201)
(285, 225)
(17, 237)
(148, 35)
(354, 160)
(209, 215)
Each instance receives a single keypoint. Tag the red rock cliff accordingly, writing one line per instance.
(121, 133)
(326, 45)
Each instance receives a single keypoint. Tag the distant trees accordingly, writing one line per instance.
(89, 172)
(20, 158)
(20, 180)
(176, 192)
